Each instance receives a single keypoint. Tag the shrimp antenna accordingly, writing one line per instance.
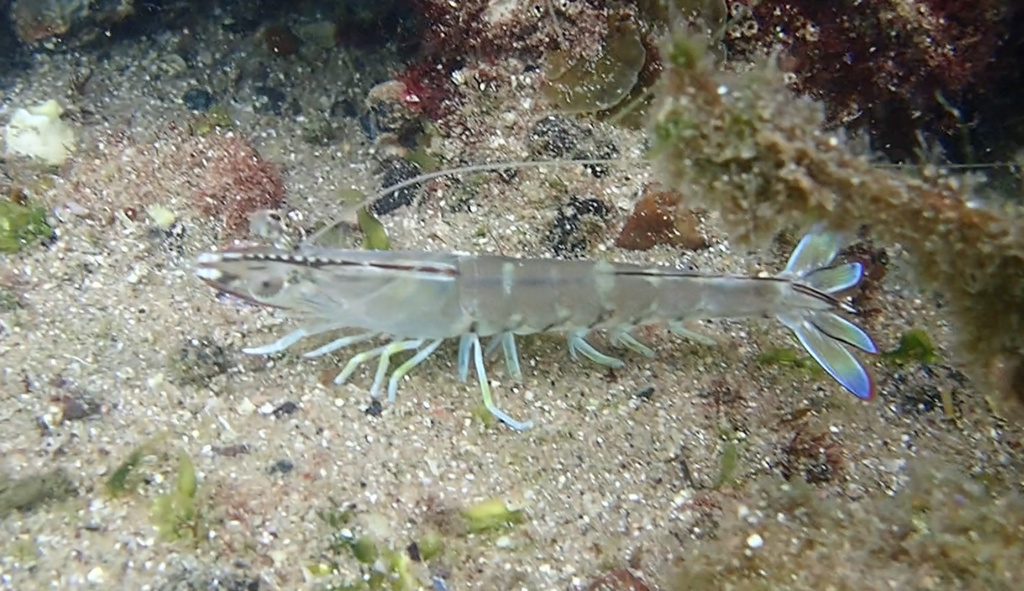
(485, 167)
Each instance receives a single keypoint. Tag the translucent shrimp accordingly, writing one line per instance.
(420, 299)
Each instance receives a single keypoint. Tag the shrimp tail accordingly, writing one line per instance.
(825, 334)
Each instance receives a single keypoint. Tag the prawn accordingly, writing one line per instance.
(421, 299)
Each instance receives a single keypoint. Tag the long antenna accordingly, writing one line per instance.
(485, 167)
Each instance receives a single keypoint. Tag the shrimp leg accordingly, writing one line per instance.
(339, 343)
(471, 342)
(408, 366)
(384, 352)
(624, 339)
(578, 344)
(507, 342)
(385, 361)
(293, 337)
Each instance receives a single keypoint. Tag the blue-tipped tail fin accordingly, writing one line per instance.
(816, 251)
(835, 279)
(831, 353)
(824, 333)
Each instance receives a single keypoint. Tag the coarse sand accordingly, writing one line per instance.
(672, 463)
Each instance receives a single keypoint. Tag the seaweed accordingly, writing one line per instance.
(492, 514)
(176, 514)
(915, 345)
(120, 481)
(383, 566)
(741, 143)
(22, 225)
(375, 237)
(365, 543)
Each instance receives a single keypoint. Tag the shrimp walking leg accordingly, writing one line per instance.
(385, 361)
(579, 344)
(627, 340)
(409, 365)
(485, 388)
(508, 346)
(507, 342)
(384, 352)
(289, 339)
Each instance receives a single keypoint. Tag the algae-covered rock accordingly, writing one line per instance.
(601, 81)
(30, 492)
(742, 144)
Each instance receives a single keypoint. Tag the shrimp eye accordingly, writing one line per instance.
(267, 287)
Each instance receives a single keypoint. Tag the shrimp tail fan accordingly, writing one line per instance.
(825, 334)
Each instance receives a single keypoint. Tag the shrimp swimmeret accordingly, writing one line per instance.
(420, 299)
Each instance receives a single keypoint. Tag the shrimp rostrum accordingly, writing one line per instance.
(420, 299)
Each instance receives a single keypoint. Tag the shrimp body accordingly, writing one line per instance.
(421, 299)
(527, 296)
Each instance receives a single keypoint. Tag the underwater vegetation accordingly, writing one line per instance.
(21, 225)
(886, 65)
(743, 144)
(364, 543)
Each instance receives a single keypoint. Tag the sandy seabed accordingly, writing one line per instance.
(669, 465)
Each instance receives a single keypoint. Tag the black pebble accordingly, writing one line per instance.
(556, 137)
(393, 171)
(281, 467)
(285, 409)
(567, 239)
(375, 409)
(198, 99)
(270, 100)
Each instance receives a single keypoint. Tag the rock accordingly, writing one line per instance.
(659, 218)
(556, 136)
(618, 580)
(75, 21)
(198, 99)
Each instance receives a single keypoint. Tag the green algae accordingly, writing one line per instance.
(21, 226)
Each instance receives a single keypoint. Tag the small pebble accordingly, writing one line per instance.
(270, 100)
(96, 575)
(568, 234)
(281, 40)
(645, 393)
(755, 541)
(394, 171)
(245, 407)
(556, 136)
(413, 550)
